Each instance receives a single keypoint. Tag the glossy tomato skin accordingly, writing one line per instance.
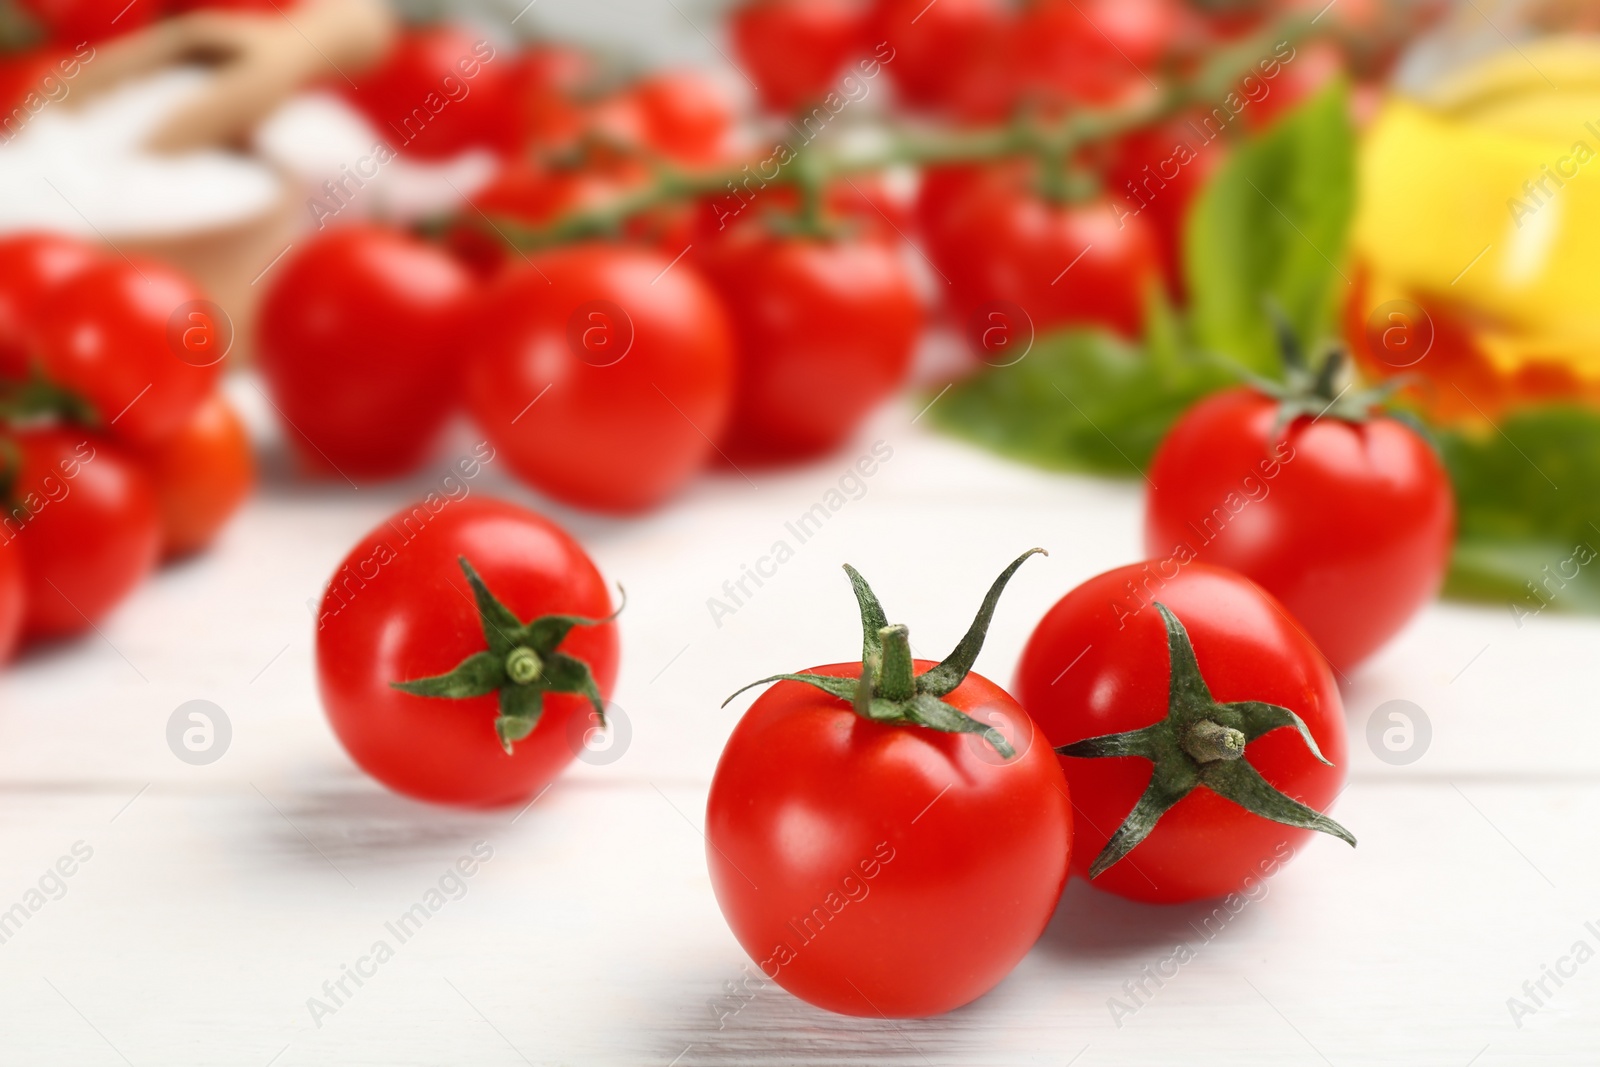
(359, 341)
(399, 608)
(794, 49)
(683, 115)
(1158, 172)
(134, 339)
(440, 91)
(88, 531)
(825, 332)
(603, 374)
(1248, 649)
(31, 266)
(847, 854)
(1080, 264)
(1351, 531)
(201, 475)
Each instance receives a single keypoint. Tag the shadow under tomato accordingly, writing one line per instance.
(1092, 924)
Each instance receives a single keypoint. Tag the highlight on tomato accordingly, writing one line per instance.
(1201, 732)
(465, 649)
(862, 813)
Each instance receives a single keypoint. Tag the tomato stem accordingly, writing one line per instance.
(523, 665)
(1027, 136)
(1200, 743)
(897, 677)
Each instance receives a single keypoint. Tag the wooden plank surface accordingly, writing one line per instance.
(215, 901)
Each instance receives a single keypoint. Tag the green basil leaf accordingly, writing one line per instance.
(1528, 500)
(1272, 227)
(1081, 400)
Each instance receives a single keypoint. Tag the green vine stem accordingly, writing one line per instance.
(1028, 136)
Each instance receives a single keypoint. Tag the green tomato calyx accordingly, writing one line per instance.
(1200, 742)
(522, 664)
(889, 690)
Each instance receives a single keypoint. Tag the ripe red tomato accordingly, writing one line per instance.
(136, 340)
(359, 338)
(401, 609)
(530, 194)
(83, 517)
(935, 45)
(1349, 524)
(1101, 662)
(31, 266)
(201, 475)
(13, 599)
(72, 22)
(1094, 51)
(860, 315)
(1158, 172)
(440, 91)
(1065, 264)
(794, 49)
(542, 109)
(1308, 69)
(682, 114)
(604, 373)
(841, 846)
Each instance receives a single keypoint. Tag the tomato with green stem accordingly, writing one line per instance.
(861, 812)
(1201, 732)
(465, 648)
(1345, 514)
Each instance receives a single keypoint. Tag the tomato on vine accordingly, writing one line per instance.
(860, 809)
(1201, 733)
(794, 49)
(1344, 514)
(32, 265)
(603, 373)
(464, 650)
(440, 91)
(801, 392)
(1066, 264)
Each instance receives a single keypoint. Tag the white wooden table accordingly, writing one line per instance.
(218, 899)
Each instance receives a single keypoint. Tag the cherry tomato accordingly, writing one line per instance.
(532, 194)
(683, 115)
(1158, 172)
(137, 341)
(1074, 264)
(359, 342)
(401, 609)
(72, 22)
(439, 92)
(1094, 51)
(794, 49)
(84, 519)
(1349, 524)
(603, 372)
(13, 598)
(935, 45)
(542, 109)
(1101, 663)
(201, 475)
(846, 852)
(802, 391)
(31, 265)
